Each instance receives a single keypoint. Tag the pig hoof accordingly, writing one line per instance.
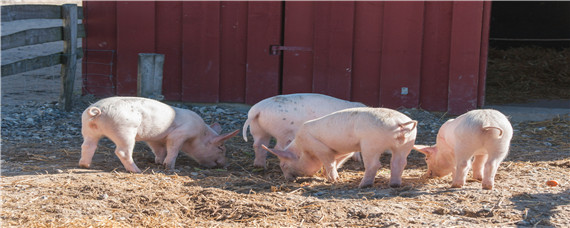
(395, 185)
(488, 187)
(84, 165)
(365, 185)
(456, 185)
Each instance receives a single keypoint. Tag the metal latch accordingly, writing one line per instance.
(277, 50)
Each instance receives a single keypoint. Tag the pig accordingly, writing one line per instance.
(281, 116)
(484, 134)
(332, 138)
(165, 129)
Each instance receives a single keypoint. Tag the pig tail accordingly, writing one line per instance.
(93, 112)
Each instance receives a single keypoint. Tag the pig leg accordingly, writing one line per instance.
(463, 163)
(159, 151)
(88, 150)
(260, 137)
(371, 160)
(397, 164)
(330, 169)
(478, 163)
(491, 167)
(125, 145)
(172, 150)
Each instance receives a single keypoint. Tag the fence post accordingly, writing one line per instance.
(149, 76)
(68, 66)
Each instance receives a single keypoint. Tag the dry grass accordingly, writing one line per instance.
(52, 192)
(521, 74)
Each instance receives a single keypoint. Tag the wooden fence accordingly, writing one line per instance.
(68, 32)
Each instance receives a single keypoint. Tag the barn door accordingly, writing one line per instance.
(317, 48)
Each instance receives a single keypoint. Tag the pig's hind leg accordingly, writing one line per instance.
(496, 156)
(88, 150)
(397, 164)
(478, 164)
(125, 145)
(371, 159)
(260, 137)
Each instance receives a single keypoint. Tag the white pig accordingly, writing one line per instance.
(281, 116)
(165, 129)
(330, 139)
(485, 134)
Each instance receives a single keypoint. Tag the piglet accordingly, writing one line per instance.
(332, 138)
(281, 116)
(165, 129)
(484, 134)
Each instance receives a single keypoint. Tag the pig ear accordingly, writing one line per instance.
(224, 137)
(281, 153)
(427, 150)
(216, 127)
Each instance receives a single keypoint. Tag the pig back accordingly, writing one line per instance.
(150, 118)
(349, 126)
(479, 126)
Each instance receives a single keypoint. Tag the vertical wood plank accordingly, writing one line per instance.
(169, 43)
(135, 34)
(484, 53)
(298, 32)
(401, 54)
(263, 30)
(333, 48)
(435, 56)
(201, 51)
(99, 56)
(367, 52)
(68, 68)
(464, 56)
(233, 51)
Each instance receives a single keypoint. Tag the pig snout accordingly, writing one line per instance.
(220, 162)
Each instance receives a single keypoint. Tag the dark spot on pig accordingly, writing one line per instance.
(92, 125)
(295, 109)
(284, 118)
(292, 122)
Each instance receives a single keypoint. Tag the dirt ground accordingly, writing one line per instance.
(41, 185)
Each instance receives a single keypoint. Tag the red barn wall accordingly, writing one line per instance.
(363, 51)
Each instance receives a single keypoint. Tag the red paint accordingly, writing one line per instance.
(401, 53)
(435, 56)
(99, 48)
(298, 65)
(333, 48)
(135, 34)
(367, 52)
(233, 51)
(465, 50)
(201, 51)
(169, 43)
(363, 51)
(263, 30)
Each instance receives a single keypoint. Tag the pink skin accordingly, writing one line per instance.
(166, 130)
(281, 116)
(330, 140)
(483, 134)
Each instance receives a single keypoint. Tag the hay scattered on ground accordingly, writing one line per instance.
(517, 75)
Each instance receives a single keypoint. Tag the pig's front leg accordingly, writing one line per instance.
(260, 137)
(159, 150)
(88, 150)
(172, 149)
(330, 165)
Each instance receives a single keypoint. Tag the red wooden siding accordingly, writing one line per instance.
(363, 51)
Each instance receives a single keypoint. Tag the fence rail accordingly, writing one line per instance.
(70, 30)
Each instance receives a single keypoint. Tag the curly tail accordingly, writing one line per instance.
(93, 112)
(244, 130)
(415, 122)
(498, 128)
